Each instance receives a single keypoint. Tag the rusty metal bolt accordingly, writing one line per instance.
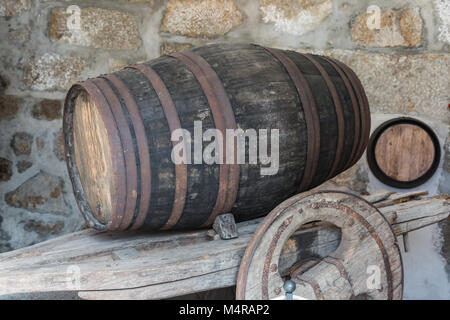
(274, 267)
(350, 222)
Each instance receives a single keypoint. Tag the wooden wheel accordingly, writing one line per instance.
(366, 264)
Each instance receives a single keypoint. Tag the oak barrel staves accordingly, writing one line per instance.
(121, 168)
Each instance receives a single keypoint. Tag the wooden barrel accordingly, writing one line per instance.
(403, 152)
(118, 129)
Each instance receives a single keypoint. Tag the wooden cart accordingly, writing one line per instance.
(331, 244)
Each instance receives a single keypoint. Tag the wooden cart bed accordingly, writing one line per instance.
(139, 265)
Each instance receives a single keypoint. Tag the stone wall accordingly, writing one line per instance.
(402, 59)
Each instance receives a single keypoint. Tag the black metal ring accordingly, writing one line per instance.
(373, 165)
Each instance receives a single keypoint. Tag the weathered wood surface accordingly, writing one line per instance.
(249, 87)
(166, 264)
(398, 198)
(90, 134)
(367, 242)
(404, 152)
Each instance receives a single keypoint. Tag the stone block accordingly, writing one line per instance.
(52, 71)
(41, 193)
(98, 28)
(395, 27)
(295, 17)
(201, 18)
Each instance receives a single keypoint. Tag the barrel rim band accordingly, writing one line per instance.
(363, 108)
(339, 115)
(171, 114)
(115, 147)
(144, 155)
(355, 109)
(381, 175)
(310, 112)
(223, 117)
(360, 101)
(127, 143)
(367, 118)
(230, 122)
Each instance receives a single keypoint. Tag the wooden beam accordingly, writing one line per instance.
(166, 264)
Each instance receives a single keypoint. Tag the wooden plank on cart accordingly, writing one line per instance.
(167, 264)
